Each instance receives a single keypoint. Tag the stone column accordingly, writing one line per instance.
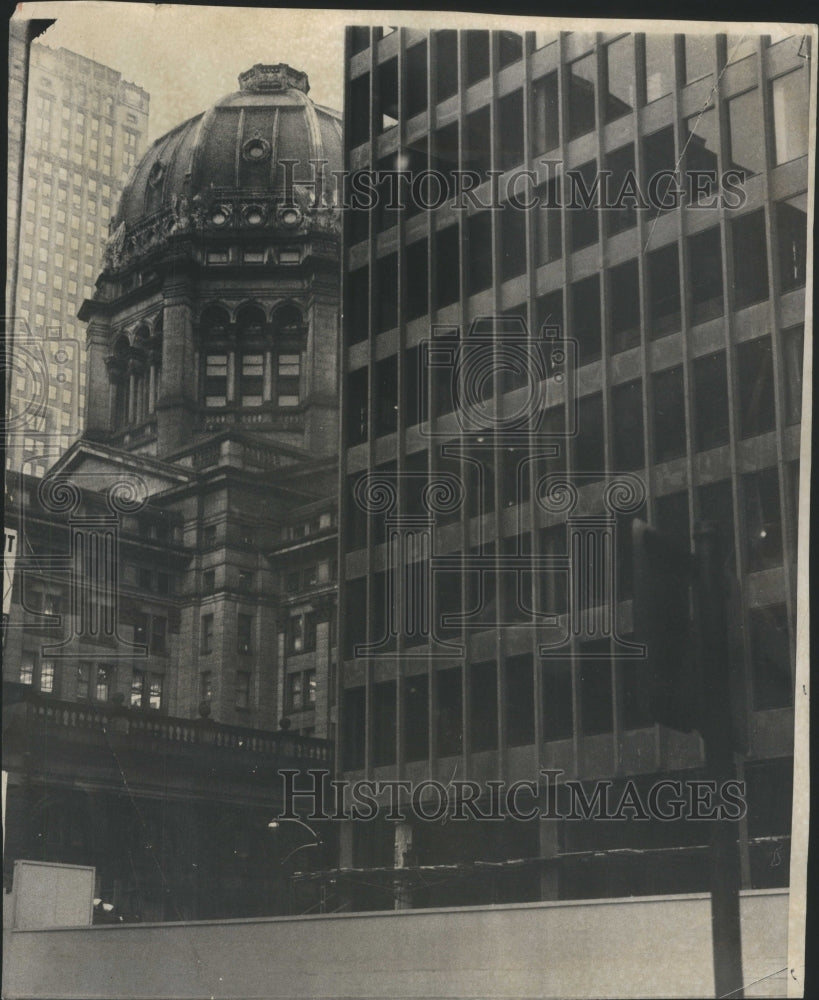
(98, 386)
(176, 406)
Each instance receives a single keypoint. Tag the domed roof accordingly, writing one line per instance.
(238, 146)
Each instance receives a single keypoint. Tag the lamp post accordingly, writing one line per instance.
(275, 824)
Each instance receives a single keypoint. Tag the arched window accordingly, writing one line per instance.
(214, 320)
(140, 368)
(250, 319)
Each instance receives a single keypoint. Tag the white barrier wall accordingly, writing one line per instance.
(652, 947)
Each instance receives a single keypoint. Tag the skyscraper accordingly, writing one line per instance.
(85, 129)
(584, 304)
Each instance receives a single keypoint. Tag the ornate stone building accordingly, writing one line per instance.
(175, 591)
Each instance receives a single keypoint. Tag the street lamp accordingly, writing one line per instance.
(275, 824)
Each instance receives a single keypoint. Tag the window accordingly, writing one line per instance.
(216, 380)
(582, 75)
(710, 401)
(26, 674)
(705, 275)
(477, 56)
(545, 114)
(624, 291)
(510, 130)
(792, 232)
(771, 657)
(548, 224)
(446, 64)
(206, 634)
(357, 405)
(668, 414)
(242, 689)
(659, 66)
(513, 243)
(763, 526)
(620, 190)
(477, 142)
(146, 690)
(701, 138)
(793, 343)
(450, 721)
(744, 115)
(354, 732)
(520, 700)
(244, 633)
(789, 96)
(252, 379)
(447, 269)
(245, 582)
(589, 455)
(586, 326)
(584, 189)
(159, 627)
(756, 388)
(206, 686)
(716, 503)
(295, 692)
(750, 259)
(479, 252)
(388, 93)
(483, 706)
(699, 56)
(102, 686)
(310, 687)
(663, 291)
(594, 675)
(289, 373)
(627, 420)
(416, 713)
(415, 92)
(83, 680)
(672, 517)
(386, 386)
(619, 78)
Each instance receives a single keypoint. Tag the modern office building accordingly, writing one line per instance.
(594, 270)
(172, 626)
(85, 128)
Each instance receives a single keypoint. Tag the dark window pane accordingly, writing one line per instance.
(582, 75)
(447, 269)
(548, 225)
(553, 585)
(359, 117)
(659, 165)
(621, 188)
(793, 345)
(584, 191)
(388, 94)
(417, 258)
(588, 445)
(792, 232)
(596, 704)
(483, 706)
(386, 393)
(549, 310)
(705, 275)
(446, 64)
(415, 387)
(479, 252)
(416, 718)
(357, 405)
(444, 158)
(710, 401)
(387, 298)
(510, 48)
(671, 513)
(627, 421)
(520, 704)
(450, 720)
(510, 130)
(477, 56)
(477, 138)
(383, 723)
(624, 292)
(636, 706)
(558, 723)
(716, 503)
(415, 91)
(750, 259)
(771, 657)
(358, 301)
(663, 292)
(763, 525)
(756, 389)
(668, 414)
(619, 78)
(701, 144)
(354, 728)
(585, 327)
(513, 242)
(545, 114)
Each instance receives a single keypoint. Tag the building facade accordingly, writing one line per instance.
(175, 584)
(586, 306)
(85, 129)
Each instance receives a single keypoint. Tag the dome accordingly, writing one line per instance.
(239, 146)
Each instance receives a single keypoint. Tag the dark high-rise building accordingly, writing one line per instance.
(574, 294)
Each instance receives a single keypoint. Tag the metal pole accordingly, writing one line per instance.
(725, 862)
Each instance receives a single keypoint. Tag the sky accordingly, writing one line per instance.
(189, 56)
